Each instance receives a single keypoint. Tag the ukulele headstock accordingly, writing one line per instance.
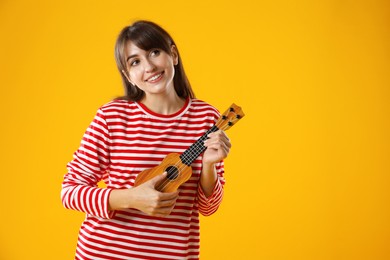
(230, 117)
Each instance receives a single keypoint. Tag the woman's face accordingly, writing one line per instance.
(153, 70)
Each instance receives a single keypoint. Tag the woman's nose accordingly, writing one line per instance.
(149, 66)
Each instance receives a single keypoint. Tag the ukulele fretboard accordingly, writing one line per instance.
(189, 155)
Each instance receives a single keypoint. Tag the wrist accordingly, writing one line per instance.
(119, 199)
(208, 172)
(207, 164)
(208, 168)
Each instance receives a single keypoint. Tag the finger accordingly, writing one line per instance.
(222, 149)
(167, 203)
(162, 212)
(217, 144)
(226, 139)
(213, 134)
(166, 196)
(219, 136)
(157, 178)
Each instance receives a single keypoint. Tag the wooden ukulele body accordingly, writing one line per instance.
(177, 173)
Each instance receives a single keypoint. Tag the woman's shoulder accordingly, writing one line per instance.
(118, 108)
(200, 105)
(118, 104)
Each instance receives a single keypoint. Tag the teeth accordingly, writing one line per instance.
(154, 77)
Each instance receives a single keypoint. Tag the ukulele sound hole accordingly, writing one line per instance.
(172, 172)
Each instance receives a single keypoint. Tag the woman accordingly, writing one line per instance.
(159, 115)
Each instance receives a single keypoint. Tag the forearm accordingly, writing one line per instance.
(119, 199)
(208, 178)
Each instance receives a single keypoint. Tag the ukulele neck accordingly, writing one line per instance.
(189, 155)
(224, 122)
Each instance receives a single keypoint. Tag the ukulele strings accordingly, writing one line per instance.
(179, 168)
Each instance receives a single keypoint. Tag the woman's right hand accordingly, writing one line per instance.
(145, 198)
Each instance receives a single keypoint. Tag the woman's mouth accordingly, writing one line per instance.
(155, 77)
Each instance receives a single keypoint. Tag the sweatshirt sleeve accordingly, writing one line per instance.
(89, 165)
(209, 205)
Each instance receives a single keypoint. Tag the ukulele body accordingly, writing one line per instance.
(177, 173)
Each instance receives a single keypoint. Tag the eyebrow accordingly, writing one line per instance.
(131, 56)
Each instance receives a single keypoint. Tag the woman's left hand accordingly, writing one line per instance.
(218, 147)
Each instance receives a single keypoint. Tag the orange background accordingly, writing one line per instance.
(308, 174)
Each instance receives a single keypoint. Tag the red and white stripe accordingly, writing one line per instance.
(124, 139)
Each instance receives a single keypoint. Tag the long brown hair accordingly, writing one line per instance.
(148, 35)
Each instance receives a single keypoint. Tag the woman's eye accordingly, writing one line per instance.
(134, 62)
(155, 52)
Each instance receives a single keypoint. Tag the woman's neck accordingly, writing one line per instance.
(162, 104)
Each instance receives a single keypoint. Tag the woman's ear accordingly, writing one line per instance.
(175, 55)
(127, 77)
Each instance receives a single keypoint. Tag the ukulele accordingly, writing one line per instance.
(178, 166)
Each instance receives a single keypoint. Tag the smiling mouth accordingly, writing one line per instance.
(155, 77)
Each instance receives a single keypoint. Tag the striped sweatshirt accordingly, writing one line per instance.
(124, 139)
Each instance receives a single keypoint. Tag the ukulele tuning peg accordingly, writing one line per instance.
(229, 117)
